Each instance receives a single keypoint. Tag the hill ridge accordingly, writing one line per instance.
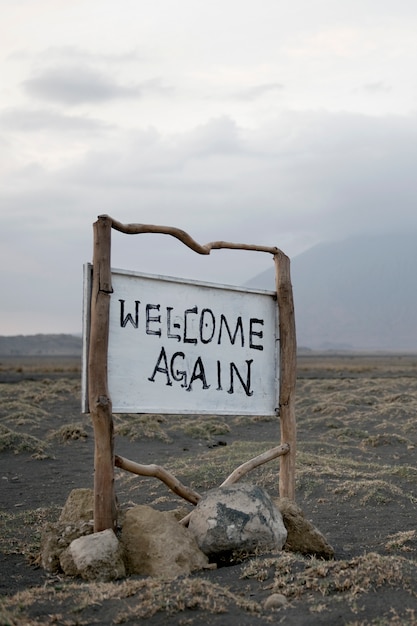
(359, 293)
(41, 345)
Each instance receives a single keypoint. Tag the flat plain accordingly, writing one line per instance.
(356, 482)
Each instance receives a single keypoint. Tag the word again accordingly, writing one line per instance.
(172, 370)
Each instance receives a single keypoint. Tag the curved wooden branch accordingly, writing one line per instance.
(136, 229)
(156, 471)
(243, 469)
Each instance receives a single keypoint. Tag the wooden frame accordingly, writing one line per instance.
(100, 406)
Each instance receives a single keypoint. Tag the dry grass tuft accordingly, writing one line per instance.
(389, 618)
(141, 599)
(69, 432)
(21, 531)
(205, 427)
(373, 491)
(21, 442)
(298, 577)
(142, 426)
(405, 541)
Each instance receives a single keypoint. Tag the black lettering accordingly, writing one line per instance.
(246, 386)
(239, 326)
(150, 319)
(129, 318)
(198, 374)
(186, 313)
(259, 333)
(162, 370)
(204, 324)
(175, 325)
(219, 376)
(178, 375)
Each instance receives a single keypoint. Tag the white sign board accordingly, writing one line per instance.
(190, 347)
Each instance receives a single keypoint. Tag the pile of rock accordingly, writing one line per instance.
(228, 523)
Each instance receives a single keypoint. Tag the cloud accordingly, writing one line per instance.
(375, 87)
(258, 91)
(149, 159)
(27, 120)
(75, 84)
(305, 177)
(80, 55)
(83, 55)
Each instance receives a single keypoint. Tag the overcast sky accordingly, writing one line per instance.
(267, 122)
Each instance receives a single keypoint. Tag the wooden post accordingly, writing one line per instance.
(288, 374)
(105, 512)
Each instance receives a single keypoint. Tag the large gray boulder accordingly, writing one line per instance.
(237, 519)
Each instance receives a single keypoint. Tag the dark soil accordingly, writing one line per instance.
(356, 481)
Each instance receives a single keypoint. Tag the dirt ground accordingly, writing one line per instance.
(356, 481)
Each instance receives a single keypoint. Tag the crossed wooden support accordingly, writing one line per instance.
(156, 471)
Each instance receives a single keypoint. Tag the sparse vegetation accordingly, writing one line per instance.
(356, 481)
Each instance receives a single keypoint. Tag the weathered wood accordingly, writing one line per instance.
(105, 511)
(243, 469)
(156, 471)
(288, 374)
(136, 229)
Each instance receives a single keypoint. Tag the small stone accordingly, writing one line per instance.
(95, 557)
(78, 507)
(303, 536)
(275, 601)
(55, 539)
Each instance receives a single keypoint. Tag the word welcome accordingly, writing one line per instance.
(209, 326)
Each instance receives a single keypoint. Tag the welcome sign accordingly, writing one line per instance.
(180, 346)
(153, 344)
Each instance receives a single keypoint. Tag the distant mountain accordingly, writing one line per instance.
(360, 293)
(41, 345)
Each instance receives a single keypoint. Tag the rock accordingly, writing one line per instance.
(56, 538)
(76, 520)
(95, 557)
(155, 544)
(78, 507)
(275, 601)
(302, 536)
(238, 518)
